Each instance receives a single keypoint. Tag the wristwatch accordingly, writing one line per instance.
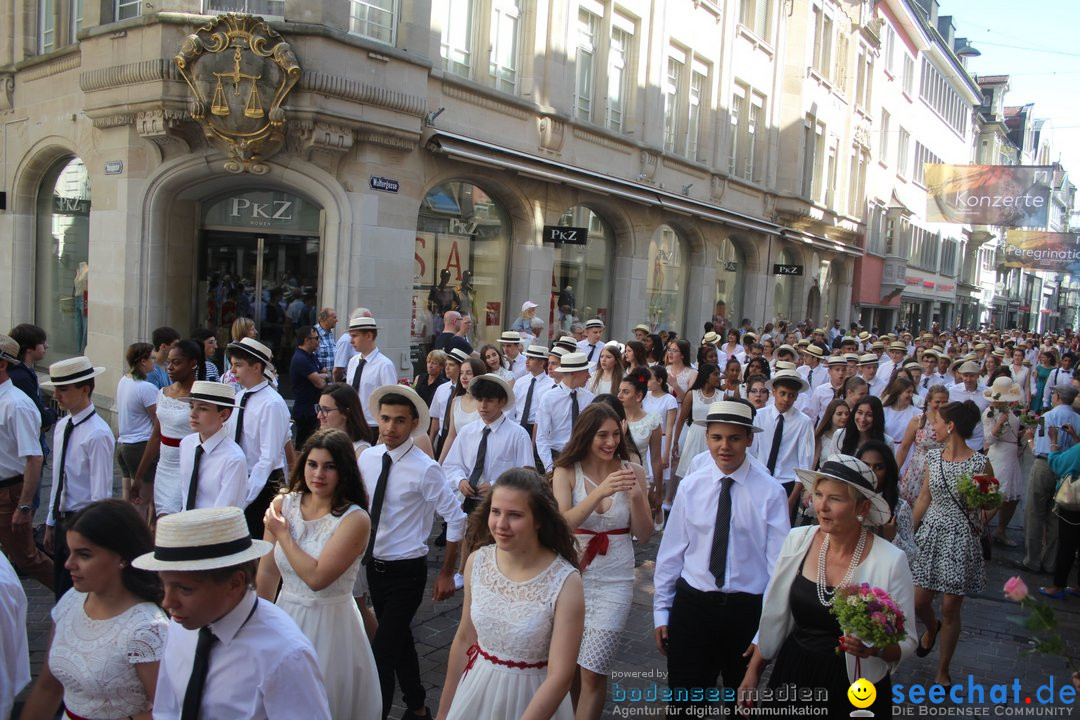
(25, 509)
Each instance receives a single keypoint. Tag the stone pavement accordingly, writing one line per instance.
(991, 649)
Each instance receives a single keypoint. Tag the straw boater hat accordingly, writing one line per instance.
(257, 351)
(836, 360)
(803, 343)
(856, 473)
(877, 345)
(851, 357)
(9, 348)
(868, 359)
(558, 351)
(732, 412)
(898, 346)
(864, 336)
(594, 323)
(540, 352)
(911, 365)
(783, 365)
(568, 342)
(203, 539)
(786, 348)
(363, 323)
(788, 376)
(710, 338)
(1004, 389)
(214, 393)
(510, 337)
(409, 394)
(573, 362)
(970, 366)
(67, 372)
(492, 377)
(643, 327)
(750, 335)
(930, 352)
(814, 350)
(458, 355)
(848, 340)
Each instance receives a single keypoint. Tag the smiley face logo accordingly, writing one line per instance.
(862, 693)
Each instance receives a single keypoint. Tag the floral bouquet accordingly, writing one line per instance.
(869, 614)
(1030, 419)
(1046, 635)
(979, 492)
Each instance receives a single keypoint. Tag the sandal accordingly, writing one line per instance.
(922, 651)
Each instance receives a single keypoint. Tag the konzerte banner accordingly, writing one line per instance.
(1056, 252)
(1007, 195)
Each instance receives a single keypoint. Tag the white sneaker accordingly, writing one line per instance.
(459, 581)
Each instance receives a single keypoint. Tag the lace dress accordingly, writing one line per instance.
(330, 619)
(694, 436)
(911, 482)
(660, 406)
(95, 659)
(608, 580)
(173, 417)
(514, 622)
(950, 559)
(641, 431)
(1003, 450)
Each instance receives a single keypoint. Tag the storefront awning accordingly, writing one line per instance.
(489, 155)
(819, 242)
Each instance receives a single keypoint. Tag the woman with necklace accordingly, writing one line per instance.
(950, 560)
(796, 628)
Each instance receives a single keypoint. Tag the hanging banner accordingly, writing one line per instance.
(1056, 252)
(1006, 195)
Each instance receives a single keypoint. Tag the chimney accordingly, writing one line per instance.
(945, 26)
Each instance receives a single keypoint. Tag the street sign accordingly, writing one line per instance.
(568, 235)
(384, 184)
(787, 269)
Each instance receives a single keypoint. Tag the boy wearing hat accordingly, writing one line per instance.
(593, 342)
(969, 389)
(260, 427)
(811, 370)
(343, 349)
(530, 389)
(20, 472)
(484, 450)
(787, 434)
(406, 488)
(440, 400)
(511, 343)
(560, 407)
(930, 376)
(83, 469)
(896, 352)
(726, 526)
(228, 653)
(213, 468)
(868, 370)
(825, 393)
(369, 368)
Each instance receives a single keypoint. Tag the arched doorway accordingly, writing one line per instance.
(730, 275)
(581, 279)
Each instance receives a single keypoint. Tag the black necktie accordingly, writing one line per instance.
(573, 408)
(194, 692)
(356, 376)
(718, 557)
(63, 459)
(481, 455)
(445, 427)
(238, 437)
(774, 451)
(376, 504)
(592, 349)
(193, 487)
(528, 404)
(810, 377)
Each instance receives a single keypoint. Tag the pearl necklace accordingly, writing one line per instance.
(825, 596)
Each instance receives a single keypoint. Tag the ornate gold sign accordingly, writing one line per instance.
(231, 64)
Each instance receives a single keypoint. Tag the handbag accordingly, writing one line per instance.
(983, 533)
(1067, 496)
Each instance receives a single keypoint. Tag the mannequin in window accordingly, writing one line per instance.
(441, 299)
(79, 292)
(567, 304)
(468, 293)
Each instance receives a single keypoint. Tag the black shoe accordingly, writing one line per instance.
(413, 715)
(440, 541)
(920, 650)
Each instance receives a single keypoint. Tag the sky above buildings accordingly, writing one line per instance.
(1035, 44)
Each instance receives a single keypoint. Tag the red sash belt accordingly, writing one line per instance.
(476, 650)
(73, 716)
(170, 442)
(598, 544)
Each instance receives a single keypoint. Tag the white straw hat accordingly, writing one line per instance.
(573, 362)
(202, 539)
(73, 370)
(255, 349)
(733, 412)
(214, 393)
(539, 352)
(409, 394)
(853, 471)
(363, 323)
(788, 376)
(492, 377)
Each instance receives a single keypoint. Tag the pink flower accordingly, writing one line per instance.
(1016, 589)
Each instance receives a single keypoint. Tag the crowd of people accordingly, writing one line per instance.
(267, 561)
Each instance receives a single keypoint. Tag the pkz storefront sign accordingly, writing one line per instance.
(568, 235)
(263, 209)
(787, 269)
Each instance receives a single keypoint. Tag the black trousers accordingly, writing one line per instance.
(1068, 543)
(708, 632)
(397, 589)
(305, 428)
(61, 575)
(255, 512)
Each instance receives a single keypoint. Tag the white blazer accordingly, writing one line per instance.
(886, 567)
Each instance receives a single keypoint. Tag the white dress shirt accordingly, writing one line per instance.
(959, 393)
(553, 421)
(378, 371)
(20, 425)
(416, 488)
(759, 525)
(223, 476)
(14, 648)
(262, 667)
(820, 398)
(508, 446)
(521, 391)
(796, 444)
(585, 347)
(89, 463)
(343, 351)
(1057, 376)
(814, 376)
(439, 398)
(878, 385)
(517, 366)
(266, 428)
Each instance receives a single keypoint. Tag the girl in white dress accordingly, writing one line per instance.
(609, 371)
(1021, 374)
(660, 402)
(899, 408)
(522, 618)
(695, 406)
(603, 497)
(644, 426)
(463, 410)
(108, 630)
(496, 363)
(681, 375)
(320, 531)
(1001, 429)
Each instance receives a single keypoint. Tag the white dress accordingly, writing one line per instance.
(173, 417)
(694, 436)
(514, 623)
(1003, 452)
(608, 580)
(330, 619)
(660, 407)
(95, 659)
(641, 431)
(897, 421)
(462, 418)
(360, 585)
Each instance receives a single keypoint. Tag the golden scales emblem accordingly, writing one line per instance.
(229, 64)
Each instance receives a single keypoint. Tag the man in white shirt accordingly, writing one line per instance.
(529, 389)
(969, 389)
(511, 344)
(343, 349)
(14, 645)
(20, 472)
(560, 407)
(930, 376)
(213, 468)
(787, 435)
(83, 465)
(369, 368)
(228, 654)
(868, 370)
(811, 370)
(723, 535)
(593, 342)
(897, 352)
(406, 488)
(485, 450)
(1060, 375)
(260, 427)
(827, 392)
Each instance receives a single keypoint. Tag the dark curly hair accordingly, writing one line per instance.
(350, 489)
(116, 525)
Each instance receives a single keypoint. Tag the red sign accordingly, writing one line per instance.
(928, 284)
